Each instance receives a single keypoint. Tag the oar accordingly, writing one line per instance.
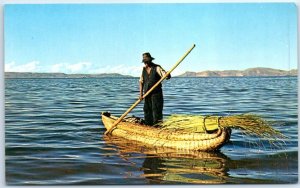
(149, 91)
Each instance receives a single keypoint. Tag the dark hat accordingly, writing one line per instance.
(148, 55)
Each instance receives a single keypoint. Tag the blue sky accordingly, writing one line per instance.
(98, 38)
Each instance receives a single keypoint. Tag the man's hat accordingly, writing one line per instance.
(148, 55)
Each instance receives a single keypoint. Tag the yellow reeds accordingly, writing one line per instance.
(251, 124)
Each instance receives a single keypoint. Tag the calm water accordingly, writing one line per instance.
(54, 134)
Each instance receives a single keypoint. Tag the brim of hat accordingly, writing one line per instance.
(151, 58)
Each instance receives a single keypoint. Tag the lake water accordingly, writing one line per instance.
(54, 132)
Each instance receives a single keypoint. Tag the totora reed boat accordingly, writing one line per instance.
(150, 136)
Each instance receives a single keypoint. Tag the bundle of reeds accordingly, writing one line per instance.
(251, 124)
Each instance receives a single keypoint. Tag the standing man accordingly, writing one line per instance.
(153, 105)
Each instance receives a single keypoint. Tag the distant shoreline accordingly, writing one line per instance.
(62, 75)
(177, 77)
(251, 72)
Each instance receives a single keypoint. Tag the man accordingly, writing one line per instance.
(153, 104)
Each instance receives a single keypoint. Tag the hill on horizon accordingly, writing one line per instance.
(60, 75)
(258, 71)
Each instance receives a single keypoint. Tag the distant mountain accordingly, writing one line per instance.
(259, 71)
(59, 75)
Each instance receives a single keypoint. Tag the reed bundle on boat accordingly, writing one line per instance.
(191, 132)
(251, 124)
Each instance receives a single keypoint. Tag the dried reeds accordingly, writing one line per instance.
(249, 123)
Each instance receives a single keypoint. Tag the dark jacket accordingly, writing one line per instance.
(151, 79)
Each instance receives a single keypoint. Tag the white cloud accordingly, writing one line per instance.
(29, 67)
(121, 69)
(78, 67)
(81, 67)
(57, 67)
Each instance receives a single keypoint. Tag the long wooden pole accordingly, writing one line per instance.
(149, 91)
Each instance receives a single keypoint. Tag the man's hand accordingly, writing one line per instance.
(141, 96)
(169, 76)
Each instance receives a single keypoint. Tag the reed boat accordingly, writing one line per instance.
(150, 136)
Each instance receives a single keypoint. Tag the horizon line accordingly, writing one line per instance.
(138, 76)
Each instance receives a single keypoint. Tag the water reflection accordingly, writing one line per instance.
(208, 169)
(167, 166)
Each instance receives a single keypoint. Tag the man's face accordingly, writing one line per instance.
(146, 59)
